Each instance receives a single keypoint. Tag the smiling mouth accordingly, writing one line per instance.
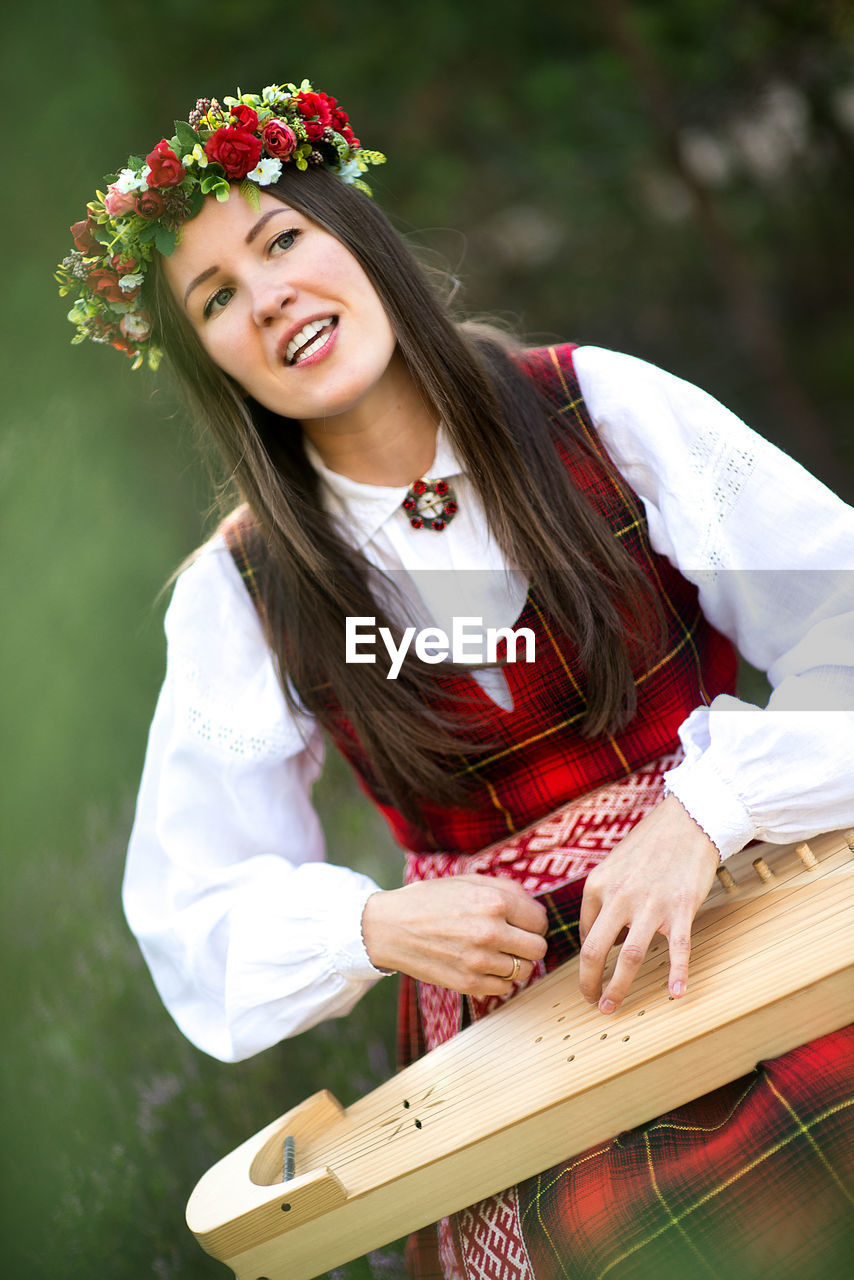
(310, 339)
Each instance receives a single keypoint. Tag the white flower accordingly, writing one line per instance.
(265, 172)
(129, 181)
(350, 171)
(135, 326)
(130, 282)
(274, 94)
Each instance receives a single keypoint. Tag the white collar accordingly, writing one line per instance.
(365, 508)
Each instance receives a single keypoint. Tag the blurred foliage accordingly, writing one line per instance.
(674, 179)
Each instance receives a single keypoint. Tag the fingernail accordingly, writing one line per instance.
(678, 989)
(606, 1006)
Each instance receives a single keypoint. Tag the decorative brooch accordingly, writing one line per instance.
(430, 504)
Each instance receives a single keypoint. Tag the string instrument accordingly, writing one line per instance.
(545, 1076)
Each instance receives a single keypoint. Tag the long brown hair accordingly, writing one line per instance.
(310, 580)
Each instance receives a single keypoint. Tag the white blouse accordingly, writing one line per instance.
(250, 934)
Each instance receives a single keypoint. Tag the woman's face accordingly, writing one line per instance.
(284, 309)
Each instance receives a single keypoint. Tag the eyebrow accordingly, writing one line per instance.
(253, 231)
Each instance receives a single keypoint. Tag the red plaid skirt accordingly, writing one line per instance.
(754, 1181)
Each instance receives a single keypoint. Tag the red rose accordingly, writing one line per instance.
(84, 239)
(246, 118)
(105, 284)
(166, 168)
(235, 149)
(314, 130)
(149, 204)
(124, 266)
(310, 105)
(279, 139)
(348, 133)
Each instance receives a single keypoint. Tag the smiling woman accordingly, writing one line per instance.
(284, 308)
(396, 465)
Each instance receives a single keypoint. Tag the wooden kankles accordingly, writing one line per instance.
(545, 1076)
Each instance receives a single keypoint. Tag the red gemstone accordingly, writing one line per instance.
(438, 525)
(450, 508)
(441, 488)
(417, 522)
(408, 503)
(419, 487)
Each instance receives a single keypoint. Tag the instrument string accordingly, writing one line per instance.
(481, 1061)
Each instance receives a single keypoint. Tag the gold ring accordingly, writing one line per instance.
(514, 973)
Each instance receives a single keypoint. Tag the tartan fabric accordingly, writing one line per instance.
(754, 1181)
(537, 760)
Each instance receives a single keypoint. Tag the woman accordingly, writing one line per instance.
(611, 530)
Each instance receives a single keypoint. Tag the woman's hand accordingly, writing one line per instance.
(651, 882)
(461, 932)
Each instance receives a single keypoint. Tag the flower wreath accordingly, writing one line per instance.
(247, 141)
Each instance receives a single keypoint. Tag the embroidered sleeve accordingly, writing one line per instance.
(772, 552)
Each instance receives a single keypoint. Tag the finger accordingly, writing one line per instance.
(513, 968)
(594, 954)
(526, 912)
(527, 946)
(679, 946)
(631, 957)
(591, 905)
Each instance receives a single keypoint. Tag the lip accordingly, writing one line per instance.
(284, 342)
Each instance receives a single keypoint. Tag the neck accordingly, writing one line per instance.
(389, 438)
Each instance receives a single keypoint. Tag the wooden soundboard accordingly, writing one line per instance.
(544, 1077)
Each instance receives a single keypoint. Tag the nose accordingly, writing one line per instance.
(271, 293)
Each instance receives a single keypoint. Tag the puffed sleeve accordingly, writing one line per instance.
(250, 935)
(771, 550)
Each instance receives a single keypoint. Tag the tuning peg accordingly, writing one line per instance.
(806, 856)
(723, 874)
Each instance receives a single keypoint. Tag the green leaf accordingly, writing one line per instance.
(165, 241)
(213, 184)
(148, 232)
(249, 191)
(196, 200)
(187, 136)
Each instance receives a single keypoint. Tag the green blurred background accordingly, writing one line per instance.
(673, 179)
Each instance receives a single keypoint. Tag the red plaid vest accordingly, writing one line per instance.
(537, 758)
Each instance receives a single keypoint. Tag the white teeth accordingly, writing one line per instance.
(304, 336)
